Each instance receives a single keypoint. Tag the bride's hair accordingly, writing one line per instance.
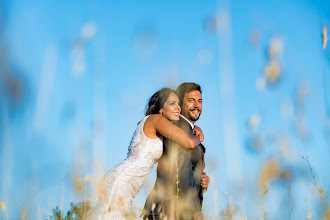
(157, 100)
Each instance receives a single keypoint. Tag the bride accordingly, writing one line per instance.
(121, 183)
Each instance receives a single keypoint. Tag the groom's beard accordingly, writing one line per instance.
(192, 114)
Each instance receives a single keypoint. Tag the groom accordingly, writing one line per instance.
(178, 191)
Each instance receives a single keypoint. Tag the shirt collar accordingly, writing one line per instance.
(191, 124)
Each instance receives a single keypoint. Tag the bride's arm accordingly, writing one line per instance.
(163, 126)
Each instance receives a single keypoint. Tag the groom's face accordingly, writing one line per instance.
(192, 105)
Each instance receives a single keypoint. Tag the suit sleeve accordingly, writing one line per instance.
(198, 165)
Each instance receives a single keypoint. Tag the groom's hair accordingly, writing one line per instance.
(157, 100)
(185, 88)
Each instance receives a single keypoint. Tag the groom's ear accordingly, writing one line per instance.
(161, 111)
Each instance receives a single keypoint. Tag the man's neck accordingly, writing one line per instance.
(190, 122)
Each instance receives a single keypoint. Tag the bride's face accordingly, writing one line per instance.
(171, 109)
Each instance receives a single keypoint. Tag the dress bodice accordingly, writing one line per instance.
(143, 151)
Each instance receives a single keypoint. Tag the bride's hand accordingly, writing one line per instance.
(198, 132)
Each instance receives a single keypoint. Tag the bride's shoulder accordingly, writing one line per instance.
(154, 117)
(157, 120)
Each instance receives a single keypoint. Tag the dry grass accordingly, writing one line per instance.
(319, 191)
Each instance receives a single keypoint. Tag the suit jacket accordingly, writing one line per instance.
(177, 192)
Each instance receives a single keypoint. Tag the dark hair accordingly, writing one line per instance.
(157, 100)
(186, 88)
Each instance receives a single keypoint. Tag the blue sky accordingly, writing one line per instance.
(85, 91)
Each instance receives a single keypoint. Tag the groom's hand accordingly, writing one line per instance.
(205, 181)
(198, 216)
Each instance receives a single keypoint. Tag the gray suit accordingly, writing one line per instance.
(177, 192)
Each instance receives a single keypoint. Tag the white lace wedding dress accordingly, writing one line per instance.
(120, 184)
